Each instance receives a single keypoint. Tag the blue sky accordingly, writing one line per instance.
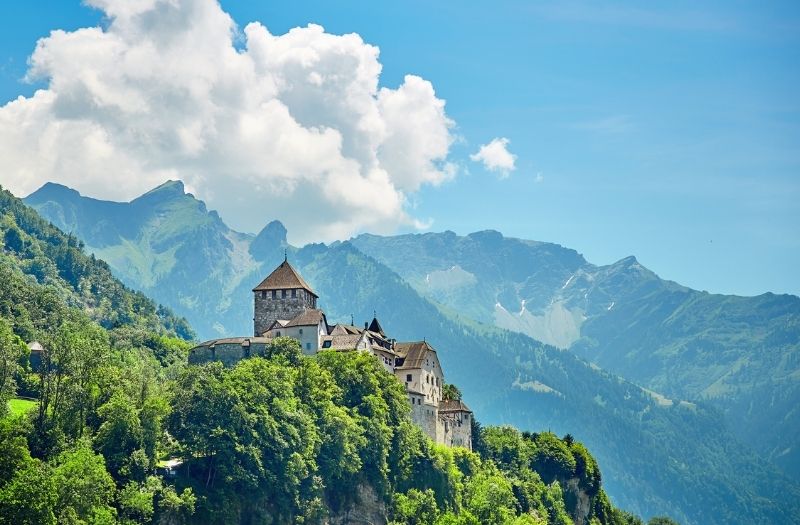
(671, 132)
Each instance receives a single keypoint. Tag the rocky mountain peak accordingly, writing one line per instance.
(272, 237)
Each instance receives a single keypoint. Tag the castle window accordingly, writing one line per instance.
(278, 333)
(408, 378)
(308, 346)
(283, 294)
(301, 331)
(274, 294)
(294, 294)
(263, 294)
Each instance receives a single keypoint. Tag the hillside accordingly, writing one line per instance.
(658, 456)
(326, 439)
(44, 273)
(739, 354)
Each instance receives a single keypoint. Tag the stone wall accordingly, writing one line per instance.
(456, 429)
(227, 353)
(267, 310)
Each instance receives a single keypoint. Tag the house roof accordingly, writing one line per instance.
(284, 277)
(453, 405)
(235, 341)
(413, 353)
(310, 317)
(341, 341)
(343, 329)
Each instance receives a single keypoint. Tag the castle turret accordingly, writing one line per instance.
(284, 295)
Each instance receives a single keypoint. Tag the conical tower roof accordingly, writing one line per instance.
(284, 277)
(376, 327)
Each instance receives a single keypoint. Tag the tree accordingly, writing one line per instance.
(69, 373)
(451, 392)
(506, 446)
(85, 489)
(552, 458)
(29, 497)
(415, 507)
(120, 432)
(285, 348)
(12, 350)
(662, 520)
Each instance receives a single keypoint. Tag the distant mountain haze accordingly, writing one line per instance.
(505, 307)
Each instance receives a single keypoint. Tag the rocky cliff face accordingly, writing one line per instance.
(370, 510)
(582, 502)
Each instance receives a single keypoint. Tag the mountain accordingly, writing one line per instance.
(168, 245)
(658, 456)
(739, 354)
(45, 275)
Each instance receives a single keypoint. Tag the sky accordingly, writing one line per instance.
(668, 131)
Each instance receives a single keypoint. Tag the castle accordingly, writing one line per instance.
(285, 305)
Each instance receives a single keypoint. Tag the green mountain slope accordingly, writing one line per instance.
(740, 354)
(44, 273)
(678, 458)
(166, 244)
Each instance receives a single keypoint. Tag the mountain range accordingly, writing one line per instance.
(687, 398)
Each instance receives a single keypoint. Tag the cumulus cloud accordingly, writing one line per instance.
(261, 126)
(496, 157)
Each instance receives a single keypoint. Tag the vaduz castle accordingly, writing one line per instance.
(285, 305)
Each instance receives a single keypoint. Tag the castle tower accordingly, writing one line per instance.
(282, 295)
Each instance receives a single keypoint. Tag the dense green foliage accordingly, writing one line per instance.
(283, 439)
(682, 459)
(35, 252)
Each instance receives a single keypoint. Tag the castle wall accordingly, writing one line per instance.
(307, 336)
(429, 379)
(455, 429)
(229, 354)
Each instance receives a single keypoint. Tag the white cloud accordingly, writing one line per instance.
(496, 157)
(261, 126)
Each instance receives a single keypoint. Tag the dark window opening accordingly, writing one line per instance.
(408, 378)
(274, 294)
(294, 294)
(283, 294)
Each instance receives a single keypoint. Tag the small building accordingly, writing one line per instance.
(36, 354)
